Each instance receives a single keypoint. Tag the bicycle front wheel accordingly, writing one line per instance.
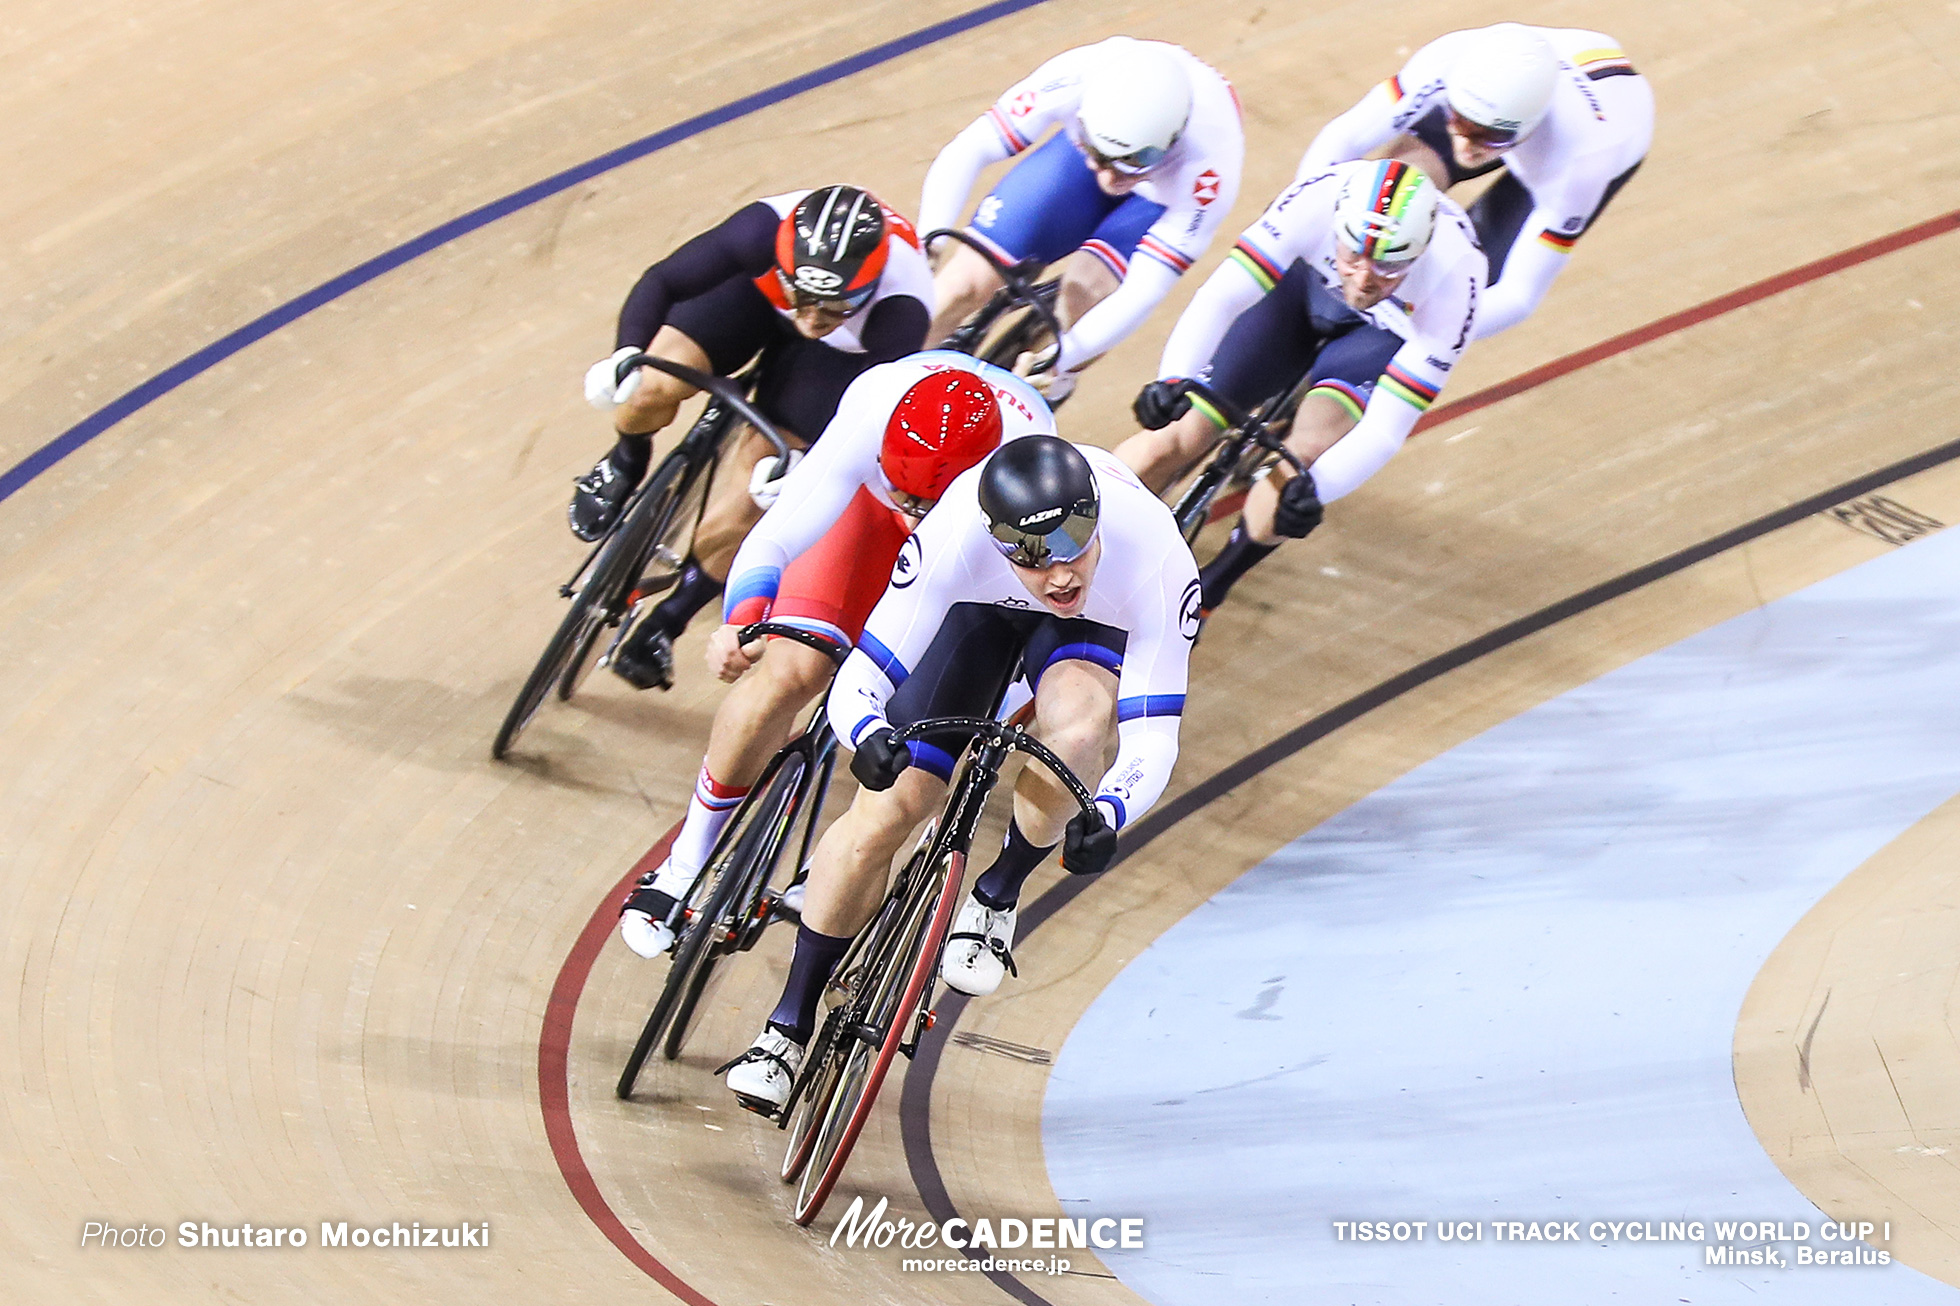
(897, 991)
(751, 863)
(670, 505)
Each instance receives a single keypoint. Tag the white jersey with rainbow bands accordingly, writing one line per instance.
(1434, 310)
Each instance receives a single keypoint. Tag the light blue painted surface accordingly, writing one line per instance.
(1505, 986)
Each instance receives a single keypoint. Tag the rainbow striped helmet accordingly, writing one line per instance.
(1385, 211)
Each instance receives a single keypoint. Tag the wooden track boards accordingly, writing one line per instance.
(284, 934)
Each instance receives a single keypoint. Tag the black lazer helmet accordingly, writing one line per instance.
(830, 249)
(1039, 499)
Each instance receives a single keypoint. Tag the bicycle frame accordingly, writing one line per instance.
(1249, 443)
(1018, 289)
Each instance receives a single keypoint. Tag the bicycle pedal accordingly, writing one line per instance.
(759, 1106)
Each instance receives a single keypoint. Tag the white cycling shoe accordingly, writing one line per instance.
(643, 917)
(978, 951)
(762, 1077)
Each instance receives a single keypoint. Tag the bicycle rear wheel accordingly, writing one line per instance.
(897, 993)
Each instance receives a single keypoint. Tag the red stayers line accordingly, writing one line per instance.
(1688, 317)
(554, 1081)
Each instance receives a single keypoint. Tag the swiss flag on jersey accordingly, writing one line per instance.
(1205, 187)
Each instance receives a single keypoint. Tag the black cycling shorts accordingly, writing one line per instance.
(800, 381)
(979, 651)
(1301, 329)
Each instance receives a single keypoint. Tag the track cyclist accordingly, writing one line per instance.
(822, 284)
(1560, 109)
(1365, 282)
(1130, 190)
(819, 560)
(1049, 560)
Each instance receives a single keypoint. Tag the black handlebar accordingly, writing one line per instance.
(999, 734)
(1018, 278)
(721, 388)
(796, 634)
(1248, 424)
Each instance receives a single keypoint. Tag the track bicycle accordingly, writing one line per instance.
(888, 977)
(735, 898)
(991, 335)
(1249, 445)
(643, 553)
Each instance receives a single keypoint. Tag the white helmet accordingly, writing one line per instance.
(1135, 102)
(1386, 211)
(1503, 79)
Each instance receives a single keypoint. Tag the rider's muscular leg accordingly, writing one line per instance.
(1320, 422)
(755, 720)
(854, 857)
(729, 515)
(1161, 458)
(650, 409)
(847, 882)
(963, 283)
(1086, 282)
(1075, 714)
(759, 714)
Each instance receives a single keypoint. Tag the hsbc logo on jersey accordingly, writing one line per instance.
(1021, 105)
(818, 281)
(1204, 188)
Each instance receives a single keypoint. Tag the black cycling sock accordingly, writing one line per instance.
(1000, 887)
(815, 957)
(695, 591)
(631, 455)
(1241, 554)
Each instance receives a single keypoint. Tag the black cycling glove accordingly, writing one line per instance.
(878, 761)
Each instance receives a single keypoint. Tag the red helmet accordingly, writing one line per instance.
(942, 425)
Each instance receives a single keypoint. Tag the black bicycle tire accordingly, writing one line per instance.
(811, 1103)
(640, 532)
(743, 891)
(848, 1108)
(583, 619)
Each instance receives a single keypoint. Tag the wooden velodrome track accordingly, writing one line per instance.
(288, 947)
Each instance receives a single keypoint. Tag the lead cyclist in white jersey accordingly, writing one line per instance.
(1560, 109)
(1051, 561)
(1141, 170)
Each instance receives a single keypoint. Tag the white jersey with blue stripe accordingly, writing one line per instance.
(818, 489)
(1146, 585)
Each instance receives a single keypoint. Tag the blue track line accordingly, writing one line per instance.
(292, 310)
